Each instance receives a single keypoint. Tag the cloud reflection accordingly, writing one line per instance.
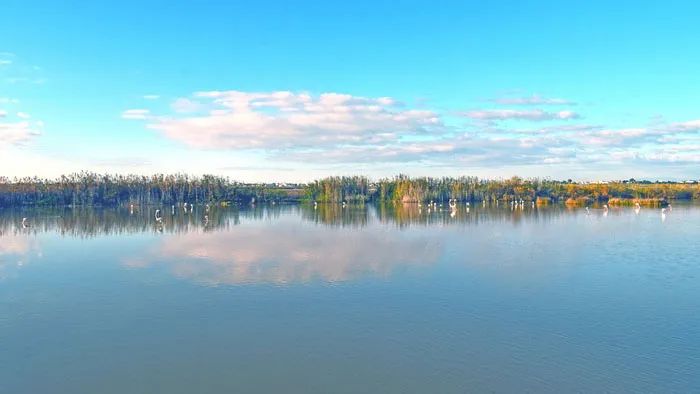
(288, 254)
(13, 251)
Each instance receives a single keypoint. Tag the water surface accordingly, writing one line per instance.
(390, 299)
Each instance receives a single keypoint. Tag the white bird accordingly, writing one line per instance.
(588, 211)
(172, 210)
(670, 208)
(25, 222)
(605, 207)
(157, 215)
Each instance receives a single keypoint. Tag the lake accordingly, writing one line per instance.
(357, 299)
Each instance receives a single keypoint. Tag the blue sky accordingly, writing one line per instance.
(291, 91)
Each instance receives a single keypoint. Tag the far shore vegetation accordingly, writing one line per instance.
(89, 189)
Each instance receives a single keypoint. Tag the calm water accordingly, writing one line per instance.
(355, 300)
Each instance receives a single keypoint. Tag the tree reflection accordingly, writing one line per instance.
(92, 222)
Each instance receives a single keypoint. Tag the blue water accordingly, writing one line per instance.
(383, 299)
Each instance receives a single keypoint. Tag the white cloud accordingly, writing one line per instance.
(151, 97)
(533, 100)
(465, 150)
(582, 145)
(611, 137)
(281, 120)
(340, 131)
(693, 125)
(17, 133)
(3, 113)
(23, 115)
(511, 114)
(565, 129)
(136, 114)
(186, 106)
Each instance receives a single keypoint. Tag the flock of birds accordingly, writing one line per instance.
(186, 207)
(637, 209)
(158, 216)
(433, 206)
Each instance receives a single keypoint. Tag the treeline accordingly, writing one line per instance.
(414, 190)
(89, 189)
